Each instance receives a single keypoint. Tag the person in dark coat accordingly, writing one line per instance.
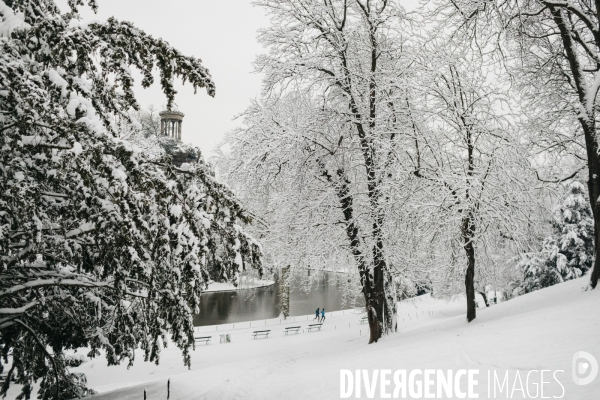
(316, 315)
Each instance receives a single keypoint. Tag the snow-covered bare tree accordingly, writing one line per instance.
(557, 50)
(339, 54)
(149, 121)
(101, 245)
(473, 194)
(289, 167)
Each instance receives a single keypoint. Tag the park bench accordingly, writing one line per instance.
(291, 329)
(364, 319)
(205, 339)
(261, 333)
(314, 326)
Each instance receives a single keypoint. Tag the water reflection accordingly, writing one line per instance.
(322, 289)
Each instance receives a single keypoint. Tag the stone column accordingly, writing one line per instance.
(284, 291)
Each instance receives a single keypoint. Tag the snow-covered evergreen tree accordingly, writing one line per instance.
(101, 245)
(569, 252)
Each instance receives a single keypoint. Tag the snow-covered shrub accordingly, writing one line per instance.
(102, 245)
(569, 252)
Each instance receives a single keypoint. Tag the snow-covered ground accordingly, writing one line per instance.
(245, 284)
(538, 331)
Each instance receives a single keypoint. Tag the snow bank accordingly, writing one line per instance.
(225, 287)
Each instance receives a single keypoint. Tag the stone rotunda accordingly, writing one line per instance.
(170, 129)
(170, 123)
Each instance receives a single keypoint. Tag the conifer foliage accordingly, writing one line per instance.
(569, 252)
(101, 245)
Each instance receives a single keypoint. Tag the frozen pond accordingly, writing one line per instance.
(323, 289)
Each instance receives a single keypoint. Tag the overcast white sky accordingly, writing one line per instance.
(223, 35)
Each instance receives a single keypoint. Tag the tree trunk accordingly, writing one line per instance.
(390, 304)
(591, 144)
(379, 299)
(284, 291)
(468, 234)
(374, 298)
(594, 192)
(485, 299)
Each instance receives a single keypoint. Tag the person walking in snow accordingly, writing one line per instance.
(316, 315)
(322, 315)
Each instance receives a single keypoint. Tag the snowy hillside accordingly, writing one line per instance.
(538, 331)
